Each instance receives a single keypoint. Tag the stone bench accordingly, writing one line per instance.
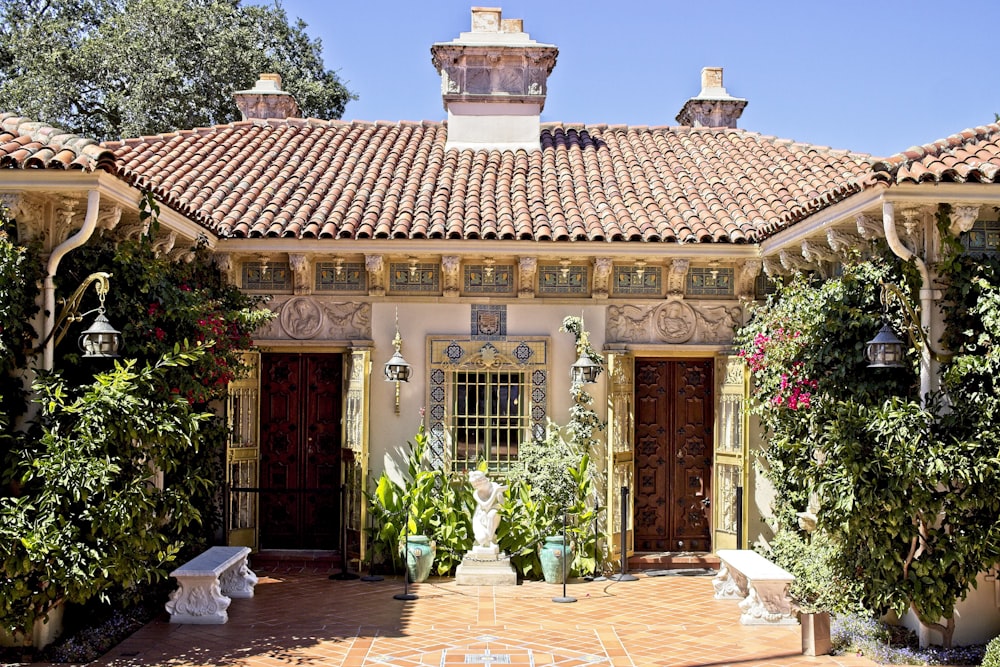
(207, 583)
(760, 585)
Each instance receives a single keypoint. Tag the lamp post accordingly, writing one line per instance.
(99, 340)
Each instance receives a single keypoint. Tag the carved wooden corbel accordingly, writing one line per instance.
(677, 276)
(962, 219)
(450, 265)
(527, 268)
(602, 277)
(299, 264)
(375, 265)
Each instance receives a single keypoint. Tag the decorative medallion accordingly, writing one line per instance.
(301, 318)
(674, 322)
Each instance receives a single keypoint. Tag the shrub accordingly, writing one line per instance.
(88, 519)
(992, 656)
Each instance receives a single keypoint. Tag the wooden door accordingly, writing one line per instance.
(300, 451)
(673, 454)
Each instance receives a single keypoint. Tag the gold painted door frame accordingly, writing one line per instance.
(243, 456)
(731, 454)
(620, 462)
(357, 374)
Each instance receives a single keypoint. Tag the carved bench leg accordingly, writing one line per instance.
(198, 600)
(238, 581)
(729, 584)
(767, 603)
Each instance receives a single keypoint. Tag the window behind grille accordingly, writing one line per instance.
(489, 418)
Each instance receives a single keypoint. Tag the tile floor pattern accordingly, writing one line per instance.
(304, 619)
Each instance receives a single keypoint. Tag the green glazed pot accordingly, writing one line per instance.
(552, 553)
(419, 557)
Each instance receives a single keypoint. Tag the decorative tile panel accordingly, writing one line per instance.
(559, 280)
(488, 279)
(414, 279)
(447, 355)
(270, 277)
(702, 281)
(637, 281)
(983, 238)
(489, 322)
(345, 277)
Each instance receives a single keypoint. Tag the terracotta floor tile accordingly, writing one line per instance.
(305, 619)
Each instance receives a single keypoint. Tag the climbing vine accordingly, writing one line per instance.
(905, 491)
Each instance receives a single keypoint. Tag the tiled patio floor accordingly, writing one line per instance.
(305, 619)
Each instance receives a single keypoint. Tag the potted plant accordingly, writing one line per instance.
(814, 592)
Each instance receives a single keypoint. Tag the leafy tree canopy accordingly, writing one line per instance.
(125, 68)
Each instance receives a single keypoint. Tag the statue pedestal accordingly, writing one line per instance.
(485, 567)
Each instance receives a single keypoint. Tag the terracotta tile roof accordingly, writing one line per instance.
(971, 156)
(26, 144)
(305, 178)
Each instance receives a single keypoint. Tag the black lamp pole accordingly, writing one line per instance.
(564, 597)
(345, 573)
(406, 594)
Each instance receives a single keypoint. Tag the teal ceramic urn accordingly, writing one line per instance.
(552, 554)
(419, 557)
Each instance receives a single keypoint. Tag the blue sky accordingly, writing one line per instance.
(874, 77)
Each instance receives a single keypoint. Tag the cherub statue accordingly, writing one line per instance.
(486, 517)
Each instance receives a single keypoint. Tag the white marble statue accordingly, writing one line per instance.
(486, 517)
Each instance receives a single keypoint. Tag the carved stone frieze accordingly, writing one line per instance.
(450, 275)
(674, 321)
(375, 265)
(677, 276)
(527, 268)
(299, 265)
(602, 277)
(317, 318)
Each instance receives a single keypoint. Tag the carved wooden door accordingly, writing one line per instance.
(300, 451)
(673, 454)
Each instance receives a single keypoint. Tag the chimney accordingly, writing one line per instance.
(267, 100)
(713, 107)
(493, 83)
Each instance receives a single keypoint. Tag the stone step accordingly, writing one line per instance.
(316, 561)
(673, 560)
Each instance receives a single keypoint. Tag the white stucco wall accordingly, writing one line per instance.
(977, 618)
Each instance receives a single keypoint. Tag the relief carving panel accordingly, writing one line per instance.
(673, 322)
(317, 318)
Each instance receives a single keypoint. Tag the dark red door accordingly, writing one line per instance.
(673, 454)
(300, 451)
